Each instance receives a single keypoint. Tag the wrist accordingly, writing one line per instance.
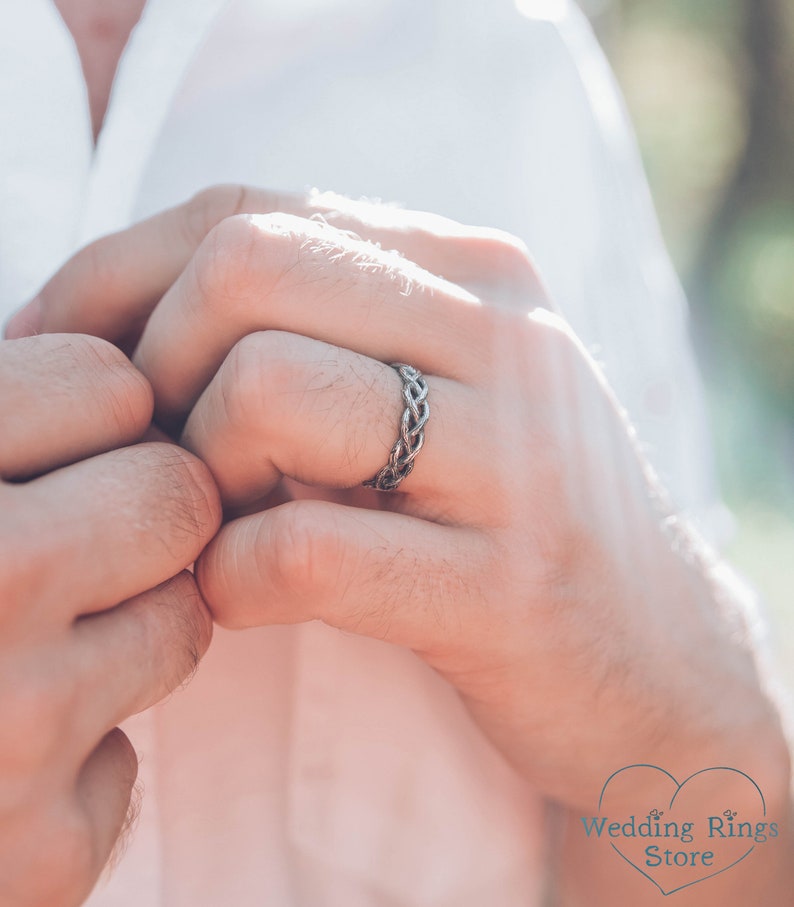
(699, 693)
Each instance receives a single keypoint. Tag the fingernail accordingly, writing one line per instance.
(26, 322)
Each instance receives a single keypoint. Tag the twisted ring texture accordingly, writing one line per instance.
(412, 430)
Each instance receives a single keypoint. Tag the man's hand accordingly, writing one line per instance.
(98, 617)
(528, 557)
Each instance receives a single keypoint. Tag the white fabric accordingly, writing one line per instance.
(304, 766)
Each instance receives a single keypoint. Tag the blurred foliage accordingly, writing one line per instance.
(710, 86)
(756, 283)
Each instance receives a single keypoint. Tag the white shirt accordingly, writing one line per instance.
(304, 766)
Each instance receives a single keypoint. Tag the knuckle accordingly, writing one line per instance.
(304, 551)
(120, 391)
(261, 369)
(508, 251)
(192, 622)
(305, 253)
(195, 500)
(184, 500)
(123, 396)
(209, 207)
(241, 382)
(503, 266)
(226, 263)
(85, 351)
(554, 344)
(128, 405)
(180, 630)
(73, 367)
(540, 345)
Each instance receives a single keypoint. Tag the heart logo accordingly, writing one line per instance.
(671, 838)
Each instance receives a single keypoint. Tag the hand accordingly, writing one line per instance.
(528, 558)
(98, 618)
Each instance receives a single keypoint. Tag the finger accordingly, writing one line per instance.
(283, 404)
(55, 848)
(64, 398)
(103, 794)
(110, 287)
(107, 529)
(379, 574)
(490, 263)
(283, 273)
(131, 657)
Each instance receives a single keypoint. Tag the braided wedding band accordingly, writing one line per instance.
(412, 430)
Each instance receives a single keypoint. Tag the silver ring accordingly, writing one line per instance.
(412, 431)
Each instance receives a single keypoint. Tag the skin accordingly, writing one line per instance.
(98, 619)
(100, 29)
(536, 570)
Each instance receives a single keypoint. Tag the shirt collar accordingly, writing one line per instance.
(150, 72)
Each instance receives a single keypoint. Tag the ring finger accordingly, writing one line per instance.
(290, 274)
(285, 405)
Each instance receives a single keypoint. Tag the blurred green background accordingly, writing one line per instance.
(710, 88)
